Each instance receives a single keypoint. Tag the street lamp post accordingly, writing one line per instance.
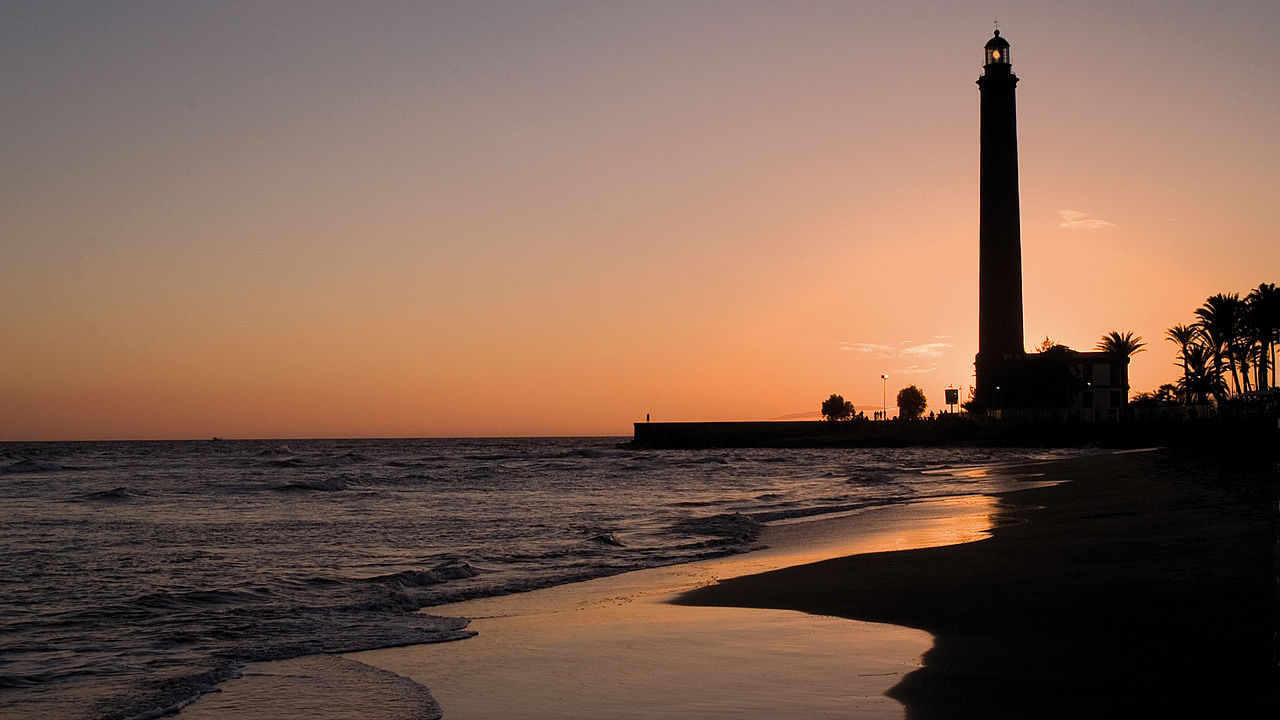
(884, 397)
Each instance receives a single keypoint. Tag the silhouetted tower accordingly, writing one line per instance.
(999, 237)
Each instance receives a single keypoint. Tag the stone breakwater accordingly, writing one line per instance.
(956, 431)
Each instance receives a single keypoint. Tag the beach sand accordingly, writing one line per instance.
(1145, 587)
(617, 647)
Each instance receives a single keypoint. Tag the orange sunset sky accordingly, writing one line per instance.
(342, 219)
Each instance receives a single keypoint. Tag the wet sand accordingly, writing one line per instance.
(1140, 587)
(617, 647)
(1144, 587)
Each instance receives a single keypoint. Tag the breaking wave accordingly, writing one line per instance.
(734, 526)
(118, 494)
(213, 555)
(32, 466)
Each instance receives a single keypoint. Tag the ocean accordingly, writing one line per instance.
(138, 575)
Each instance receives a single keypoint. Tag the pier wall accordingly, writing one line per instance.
(957, 431)
(813, 433)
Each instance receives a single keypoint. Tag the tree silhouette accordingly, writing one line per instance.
(1125, 344)
(1200, 379)
(1263, 316)
(1231, 336)
(1048, 344)
(1222, 323)
(1184, 336)
(911, 403)
(837, 408)
(1163, 395)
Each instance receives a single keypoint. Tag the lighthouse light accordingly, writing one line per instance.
(997, 50)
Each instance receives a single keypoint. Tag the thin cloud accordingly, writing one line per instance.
(905, 350)
(928, 350)
(867, 349)
(912, 370)
(806, 415)
(1076, 220)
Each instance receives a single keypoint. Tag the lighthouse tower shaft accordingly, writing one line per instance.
(1000, 341)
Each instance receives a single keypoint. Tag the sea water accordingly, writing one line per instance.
(135, 576)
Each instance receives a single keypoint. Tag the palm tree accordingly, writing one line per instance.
(1126, 344)
(1200, 380)
(1222, 324)
(1184, 336)
(1263, 315)
(1245, 352)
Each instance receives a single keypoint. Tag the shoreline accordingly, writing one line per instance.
(619, 647)
(1141, 587)
(1042, 618)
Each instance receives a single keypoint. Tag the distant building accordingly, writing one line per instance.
(1006, 376)
(1104, 380)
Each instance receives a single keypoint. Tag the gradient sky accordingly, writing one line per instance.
(540, 218)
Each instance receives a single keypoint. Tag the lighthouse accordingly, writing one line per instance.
(1000, 347)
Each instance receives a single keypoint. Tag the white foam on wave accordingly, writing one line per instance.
(33, 466)
(326, 546)
(327, 686)
(735, 526)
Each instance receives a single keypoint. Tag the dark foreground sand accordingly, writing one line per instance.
(1145, 587)
(615, 647)
(1142, 588)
